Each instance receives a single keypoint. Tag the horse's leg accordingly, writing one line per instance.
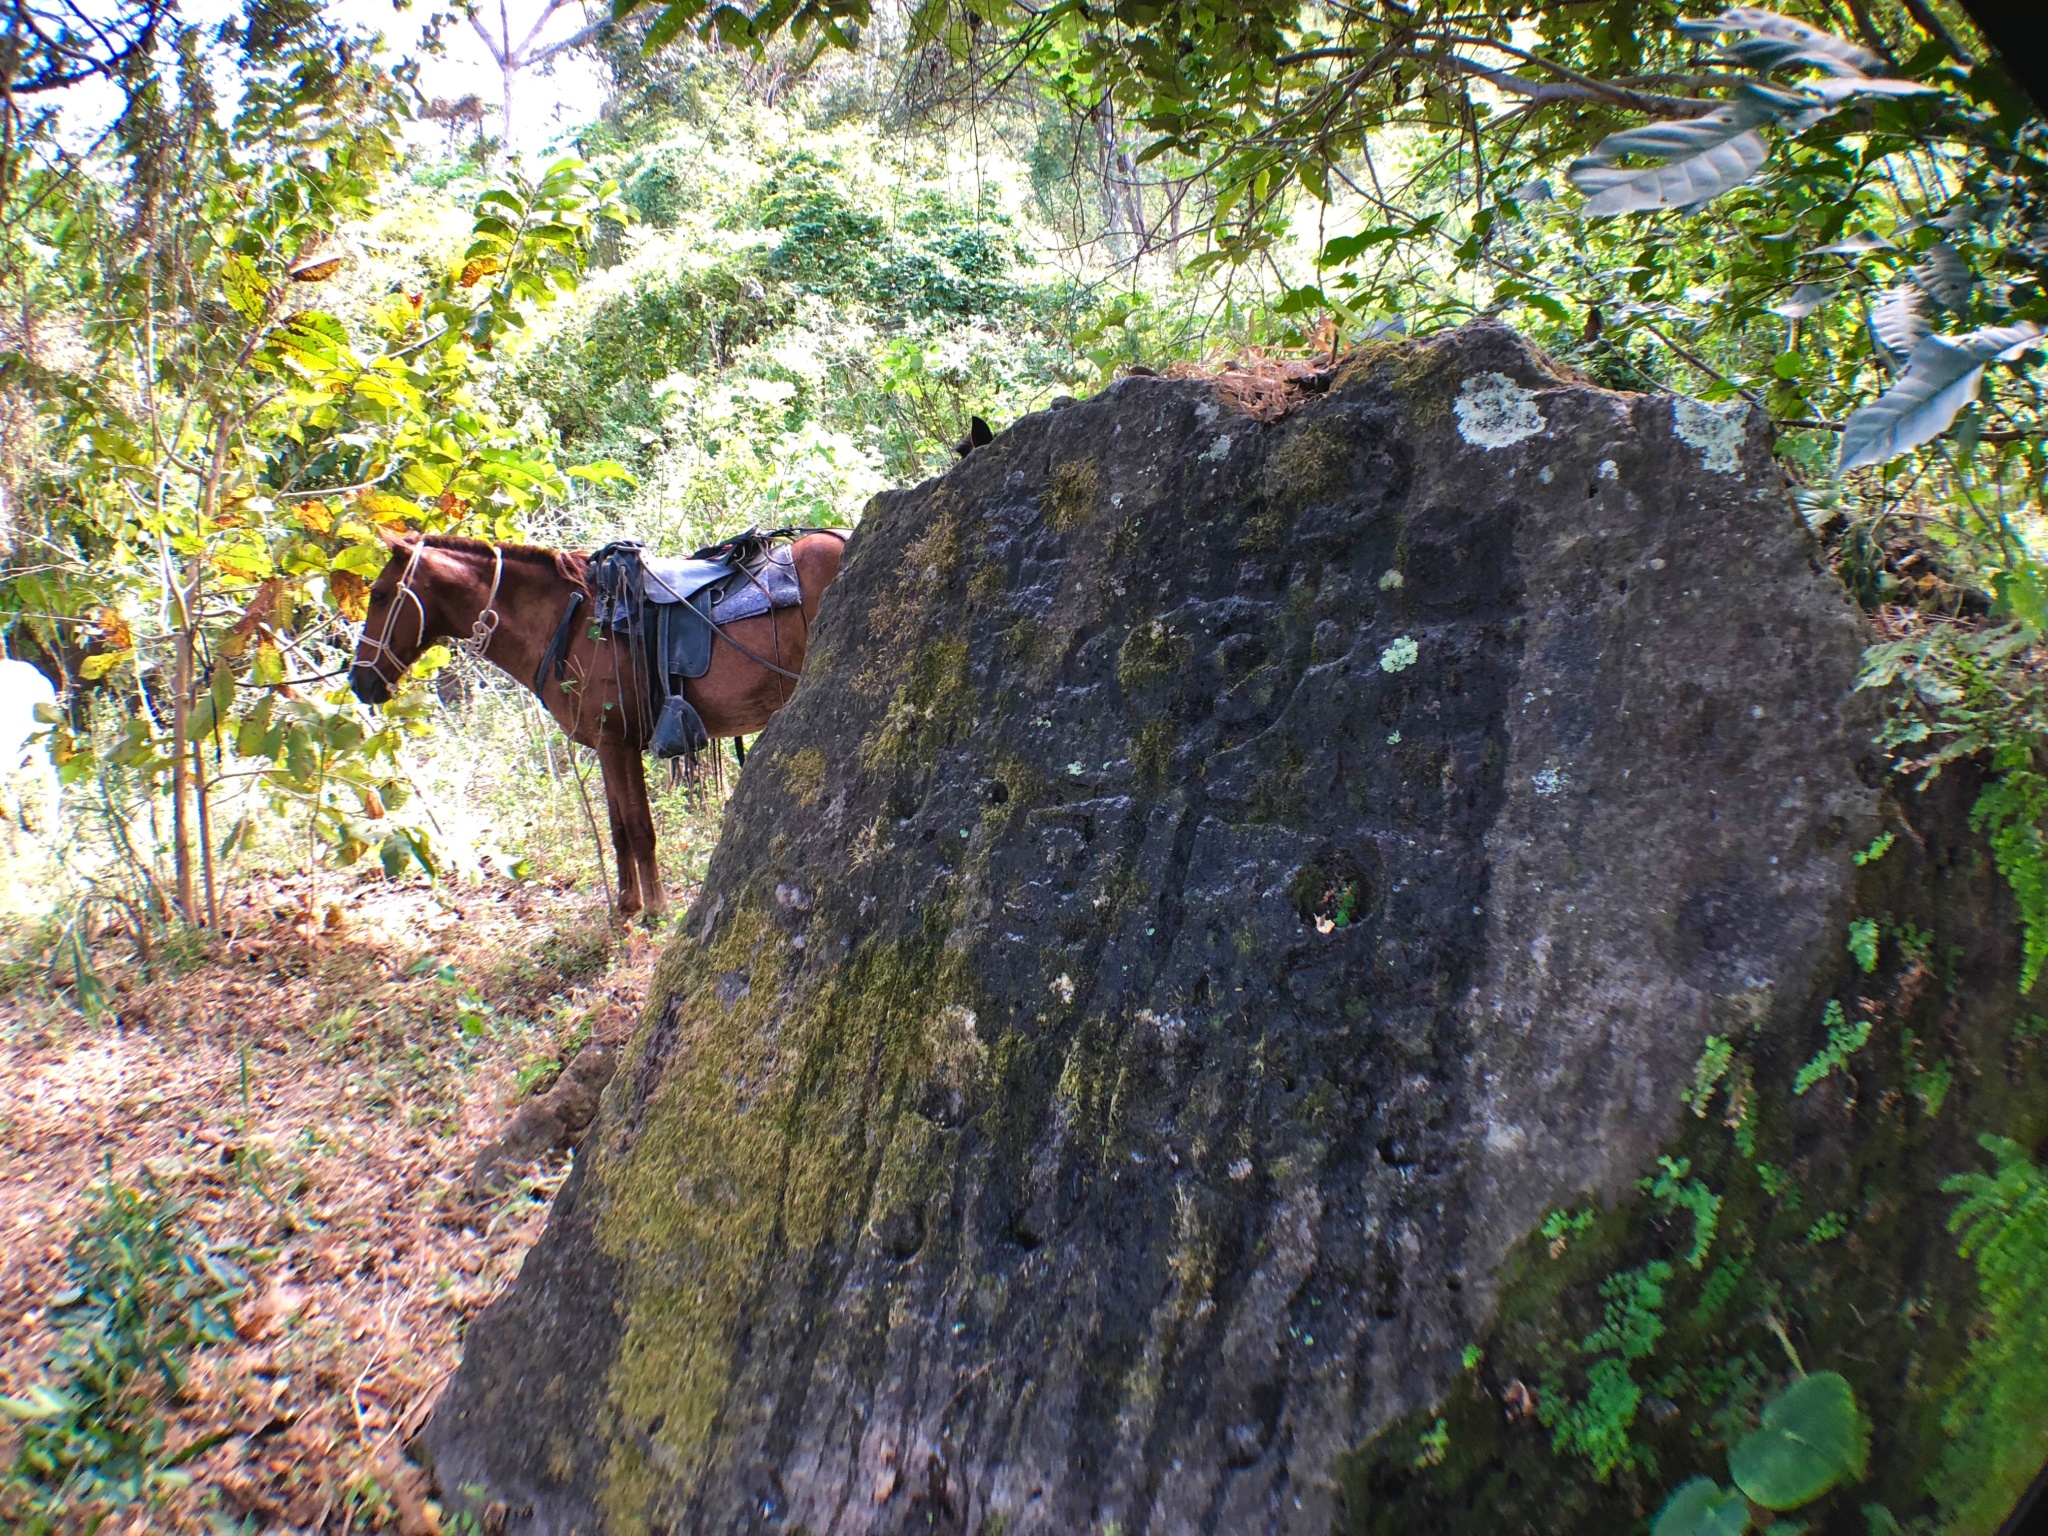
(638, 822)
(622, 783)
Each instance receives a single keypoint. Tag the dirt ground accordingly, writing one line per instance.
(317, 1088)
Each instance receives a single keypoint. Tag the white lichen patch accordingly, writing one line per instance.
(1390, 581)
(1545, 475)
(1716, 430)
(1494, 411)
(1400, 655)
(1549, 781)
(1062, 987)
(1217, 449)
(1609, 470)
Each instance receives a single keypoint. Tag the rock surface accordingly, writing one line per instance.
(549, 1122)
(1218, 886)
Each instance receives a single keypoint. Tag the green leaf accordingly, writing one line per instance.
(247, 289)
(1702, 1507)
(1863, 942)
(1941, 378)
(1297, 301)
(363, 559)
(604, 472)
(1812, 1437)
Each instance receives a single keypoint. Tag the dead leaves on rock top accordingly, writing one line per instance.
(1263, 388)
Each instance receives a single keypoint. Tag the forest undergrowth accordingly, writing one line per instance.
(305, 1092)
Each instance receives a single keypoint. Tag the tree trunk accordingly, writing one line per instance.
(183, 667)
(205, 829)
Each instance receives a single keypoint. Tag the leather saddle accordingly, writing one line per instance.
(666, 608)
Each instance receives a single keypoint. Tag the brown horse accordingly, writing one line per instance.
(506, 602)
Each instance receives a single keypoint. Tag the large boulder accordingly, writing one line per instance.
(1222, 937)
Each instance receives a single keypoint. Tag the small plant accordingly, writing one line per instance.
(1560, 1227)
(1812, 1438)
(1596, 1426)
(1433, 1445)
(1676, 1190)
(144, 1293)
(1995, 1416)
(1844, 1040)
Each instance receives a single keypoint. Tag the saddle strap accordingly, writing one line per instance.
(556, 657)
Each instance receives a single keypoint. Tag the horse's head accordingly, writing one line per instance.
(395, 627)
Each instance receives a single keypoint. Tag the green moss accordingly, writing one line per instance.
(779, 1123)
(1278, 794)
(1151, 653)
(932, 706)
(988, 583)
(804, 776)
(1311, 465)
(1024, 642)
(1070, 493)
(905, 611)
(1152, 752)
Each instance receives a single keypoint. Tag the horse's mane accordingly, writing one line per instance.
(567, 565)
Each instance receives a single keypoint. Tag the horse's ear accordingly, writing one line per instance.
(397, 538)
(978, 436)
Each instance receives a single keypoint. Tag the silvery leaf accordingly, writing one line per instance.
(1899, 319)
(1682, 184)
(1941, 377)
(1862, 243)
(1945, 276)
(1837, 91)
(1766, 53)
(1707, 156)
(1682, 136)
(1844, 55)
(1802, 301)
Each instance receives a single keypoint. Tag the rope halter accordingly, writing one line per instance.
(374, 650)
(371, 650)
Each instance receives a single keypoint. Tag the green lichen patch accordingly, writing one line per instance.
(932, 707)
(907, 609)
(1152, 752)
(1070, 493)
(1152, 652)
(780, 1118)
(803, 775)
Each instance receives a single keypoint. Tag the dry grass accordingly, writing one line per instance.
(317, 1094)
